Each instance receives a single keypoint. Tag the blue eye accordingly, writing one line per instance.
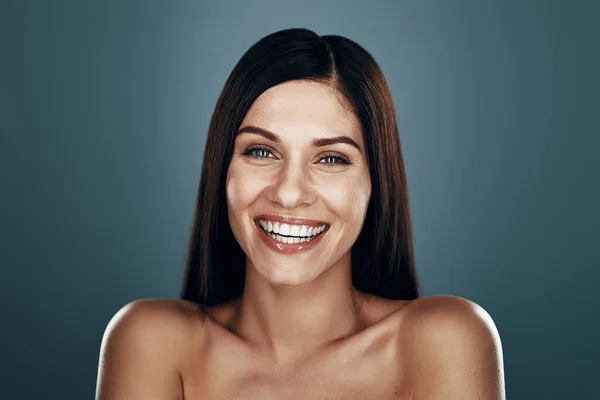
(334, 157)
(253, 150)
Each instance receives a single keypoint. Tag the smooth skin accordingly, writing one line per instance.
(301, 330)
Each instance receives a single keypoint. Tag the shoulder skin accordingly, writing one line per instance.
(454, 350)
(142, 348)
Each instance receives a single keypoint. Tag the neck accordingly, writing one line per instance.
(289, 322)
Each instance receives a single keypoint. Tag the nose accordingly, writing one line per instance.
(292, 187)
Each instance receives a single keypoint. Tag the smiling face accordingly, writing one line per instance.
(283, 170)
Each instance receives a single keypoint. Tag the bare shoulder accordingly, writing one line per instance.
(154, 320)
(454, 348)
(447, 309)
(143, 346)
(181, 310)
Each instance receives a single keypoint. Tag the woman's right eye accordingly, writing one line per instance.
(257, 152)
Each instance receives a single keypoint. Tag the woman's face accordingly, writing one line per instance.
(290, 177)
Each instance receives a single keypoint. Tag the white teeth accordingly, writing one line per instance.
(303, 231)
(294, 230)
(291, 230)
(284, 239)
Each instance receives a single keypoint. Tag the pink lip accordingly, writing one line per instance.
(290, 220)
(288, 248)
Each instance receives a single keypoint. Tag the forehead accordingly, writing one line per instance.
(304, 108)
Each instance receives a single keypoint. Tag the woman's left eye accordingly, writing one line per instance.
(331, 156)
(342, 160)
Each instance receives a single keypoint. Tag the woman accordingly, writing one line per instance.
(300, 280)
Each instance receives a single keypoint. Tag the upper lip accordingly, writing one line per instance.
(291, 220)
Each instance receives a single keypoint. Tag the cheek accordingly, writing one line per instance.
(350, 197)
(241, 188)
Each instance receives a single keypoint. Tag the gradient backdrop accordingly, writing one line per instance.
(105, 107)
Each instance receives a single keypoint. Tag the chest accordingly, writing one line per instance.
(354, 376)
(326, 386)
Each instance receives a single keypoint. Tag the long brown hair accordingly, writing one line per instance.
(382, 256)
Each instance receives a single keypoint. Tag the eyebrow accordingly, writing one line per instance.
(314, 143)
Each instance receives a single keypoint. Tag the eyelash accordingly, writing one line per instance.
(342, 160)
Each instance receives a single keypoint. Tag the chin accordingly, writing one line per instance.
(284, 277)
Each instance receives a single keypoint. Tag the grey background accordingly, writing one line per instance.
(104, 111)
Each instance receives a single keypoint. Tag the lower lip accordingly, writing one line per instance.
(288, 248)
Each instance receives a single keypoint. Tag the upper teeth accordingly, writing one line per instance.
(291, 230)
